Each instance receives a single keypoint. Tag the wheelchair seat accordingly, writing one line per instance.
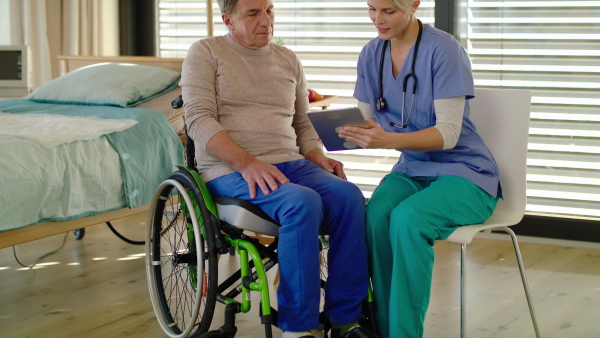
(245, 215)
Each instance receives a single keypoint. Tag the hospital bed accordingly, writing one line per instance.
(100, 179)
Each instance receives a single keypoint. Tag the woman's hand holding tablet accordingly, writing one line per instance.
(328, 122)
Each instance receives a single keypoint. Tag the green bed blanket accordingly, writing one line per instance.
(147, 154)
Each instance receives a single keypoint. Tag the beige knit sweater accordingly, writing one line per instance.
(259, 97)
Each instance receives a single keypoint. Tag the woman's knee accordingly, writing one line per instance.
(378, 210)
(377, 222)
(392, 191)
(408, 221)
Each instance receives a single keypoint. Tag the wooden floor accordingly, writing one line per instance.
(96, 287)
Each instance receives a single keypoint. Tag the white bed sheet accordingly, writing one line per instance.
(52, 130)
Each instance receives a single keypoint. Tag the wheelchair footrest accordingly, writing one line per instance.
(221, 333)
(228, 330)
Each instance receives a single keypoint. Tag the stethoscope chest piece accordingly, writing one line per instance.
(380, 104)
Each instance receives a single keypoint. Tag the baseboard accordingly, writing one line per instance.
(559, 228)
(503, 236)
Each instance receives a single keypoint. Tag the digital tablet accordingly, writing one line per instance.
(328, 122)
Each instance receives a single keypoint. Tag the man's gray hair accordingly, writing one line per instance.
(227, 6)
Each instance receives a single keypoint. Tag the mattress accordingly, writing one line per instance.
(84, 177)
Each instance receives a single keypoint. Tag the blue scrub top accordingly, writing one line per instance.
(443, 70)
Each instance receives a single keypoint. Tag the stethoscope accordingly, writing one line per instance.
(381, 104)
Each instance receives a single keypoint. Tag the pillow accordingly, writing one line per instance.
(162, 103)
(108, 84)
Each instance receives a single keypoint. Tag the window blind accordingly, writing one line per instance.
(181, 23)
(553, 49)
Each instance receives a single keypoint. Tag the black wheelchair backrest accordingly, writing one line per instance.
(190, 150)
(177, 103)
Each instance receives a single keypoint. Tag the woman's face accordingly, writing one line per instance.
(390, 21)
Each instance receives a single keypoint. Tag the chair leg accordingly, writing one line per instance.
(463, 290)
(523, 278)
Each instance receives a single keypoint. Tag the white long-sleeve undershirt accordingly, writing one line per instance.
(449, 115)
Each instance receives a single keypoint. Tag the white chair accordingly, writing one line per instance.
(502, 120)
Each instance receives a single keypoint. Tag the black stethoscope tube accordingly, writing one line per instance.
(380, 103)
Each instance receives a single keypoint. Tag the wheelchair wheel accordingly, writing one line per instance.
(368, 318)
(181, 257)
(324, 323)
(324, 250)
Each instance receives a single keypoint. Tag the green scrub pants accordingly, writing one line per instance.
(405, 216)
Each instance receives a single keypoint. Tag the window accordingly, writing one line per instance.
(553, 49)
(549, 47)
(181, 23)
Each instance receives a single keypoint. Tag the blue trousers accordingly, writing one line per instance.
(313, 202)
(405, 216)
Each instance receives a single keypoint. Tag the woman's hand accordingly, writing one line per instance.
(375, 137)
(369, 138)
(333, 166)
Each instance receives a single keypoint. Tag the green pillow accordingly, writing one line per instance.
(108, 84)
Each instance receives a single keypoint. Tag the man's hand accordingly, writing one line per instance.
(252, 170)
(266, 176)
(333, 166)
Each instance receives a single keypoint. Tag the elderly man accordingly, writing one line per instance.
(245, 106)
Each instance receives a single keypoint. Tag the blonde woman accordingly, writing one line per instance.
(414, 82)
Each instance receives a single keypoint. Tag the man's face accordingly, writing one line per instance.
(251, 23)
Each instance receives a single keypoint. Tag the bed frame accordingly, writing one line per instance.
(46, 229)
(68, 63)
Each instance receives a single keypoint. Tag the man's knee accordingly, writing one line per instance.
(301, 200)
(348, 192)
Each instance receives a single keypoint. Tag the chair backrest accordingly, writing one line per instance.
(501, 117)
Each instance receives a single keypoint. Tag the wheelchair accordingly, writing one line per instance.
(187, 232)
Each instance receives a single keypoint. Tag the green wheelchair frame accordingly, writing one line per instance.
(184, 239)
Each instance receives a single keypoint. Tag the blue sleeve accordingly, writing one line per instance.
(360, 89)
(451, 70)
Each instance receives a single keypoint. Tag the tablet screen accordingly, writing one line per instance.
(328, 122)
